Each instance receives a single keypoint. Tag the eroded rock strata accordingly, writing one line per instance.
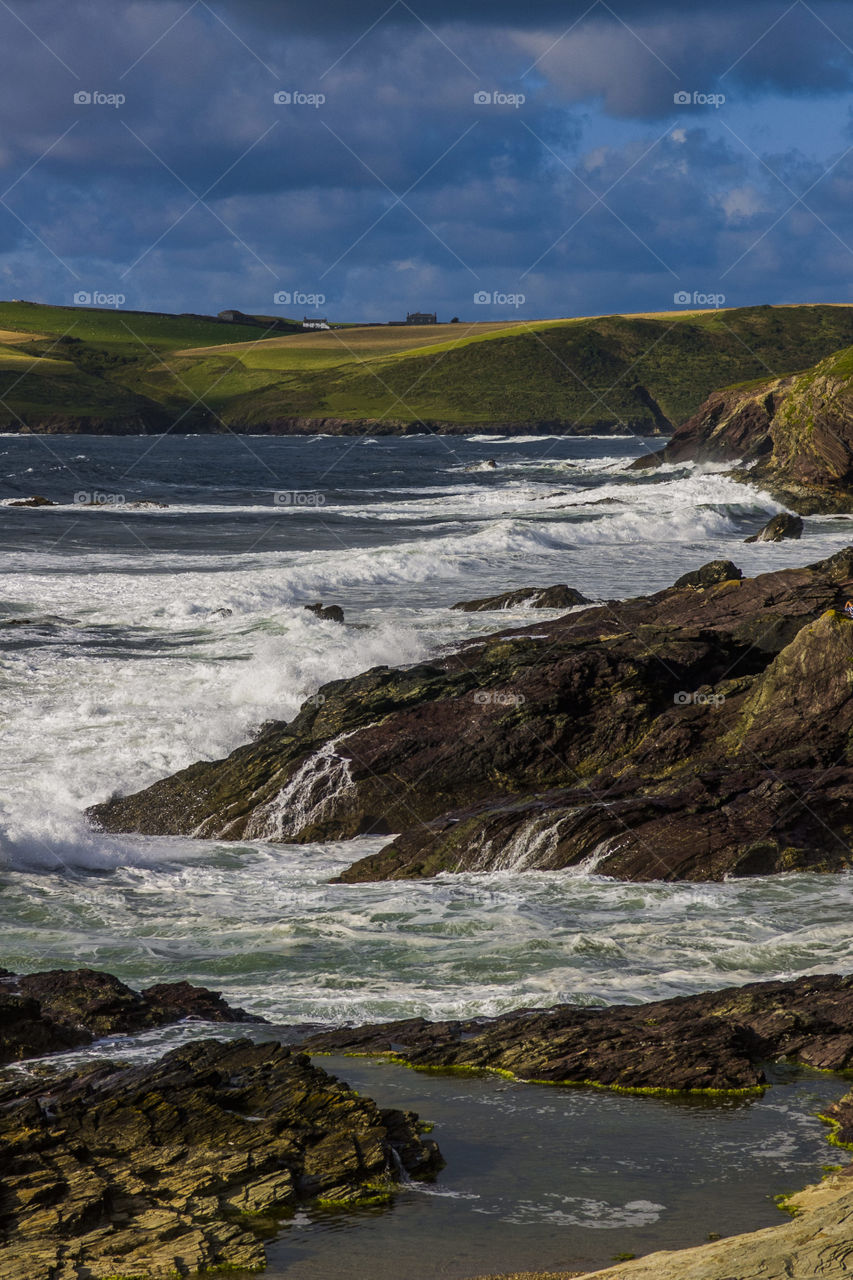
(719, 1040)
(696, 733)
(182, 1166)
(65, 1008)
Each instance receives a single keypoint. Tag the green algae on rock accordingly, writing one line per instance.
(185, 1165)
(715, 1042)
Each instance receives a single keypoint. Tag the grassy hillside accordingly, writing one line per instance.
(75, 369)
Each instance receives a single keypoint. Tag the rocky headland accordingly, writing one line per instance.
(792, 435)
(696, 733)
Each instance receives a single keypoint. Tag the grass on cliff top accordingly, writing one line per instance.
(609, 373)
(118, 329)
(842, 366)
(634, 372)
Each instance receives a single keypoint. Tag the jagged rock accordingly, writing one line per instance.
(328, 612)
(709, 575)
(37, 500)
(794, 434)
(184, 1165)
(717, 1040)
(716, 725)
(780, 526)
(63, 1008)
(556, 597)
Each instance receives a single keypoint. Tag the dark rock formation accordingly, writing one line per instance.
(184, 1165)
(46, 620)
(556, 597)
(37, 500)
(64, 1008)
(680, 735)
(328, 612)
(719, 1040)
(794, 433)
(778, 527)
(709, 575)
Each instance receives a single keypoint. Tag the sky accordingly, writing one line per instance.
(482, 160)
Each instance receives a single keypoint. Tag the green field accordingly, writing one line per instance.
(75, 369)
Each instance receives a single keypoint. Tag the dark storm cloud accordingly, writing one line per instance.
(491, 194)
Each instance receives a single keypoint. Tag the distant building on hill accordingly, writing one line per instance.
(421, 317)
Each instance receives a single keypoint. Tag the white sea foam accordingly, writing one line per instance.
(310, 795)
(151, 672)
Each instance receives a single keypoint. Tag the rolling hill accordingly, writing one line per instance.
(84, 370)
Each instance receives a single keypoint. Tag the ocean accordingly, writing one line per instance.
(155, 616)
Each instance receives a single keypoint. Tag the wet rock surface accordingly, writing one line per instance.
(37, 500)
(696, 733)
(557, 597)
(840, 1115)
(709, 575)
(719, 1040)
(328, 612)
(779, 527)
(172, 1168)
(65, 1008)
